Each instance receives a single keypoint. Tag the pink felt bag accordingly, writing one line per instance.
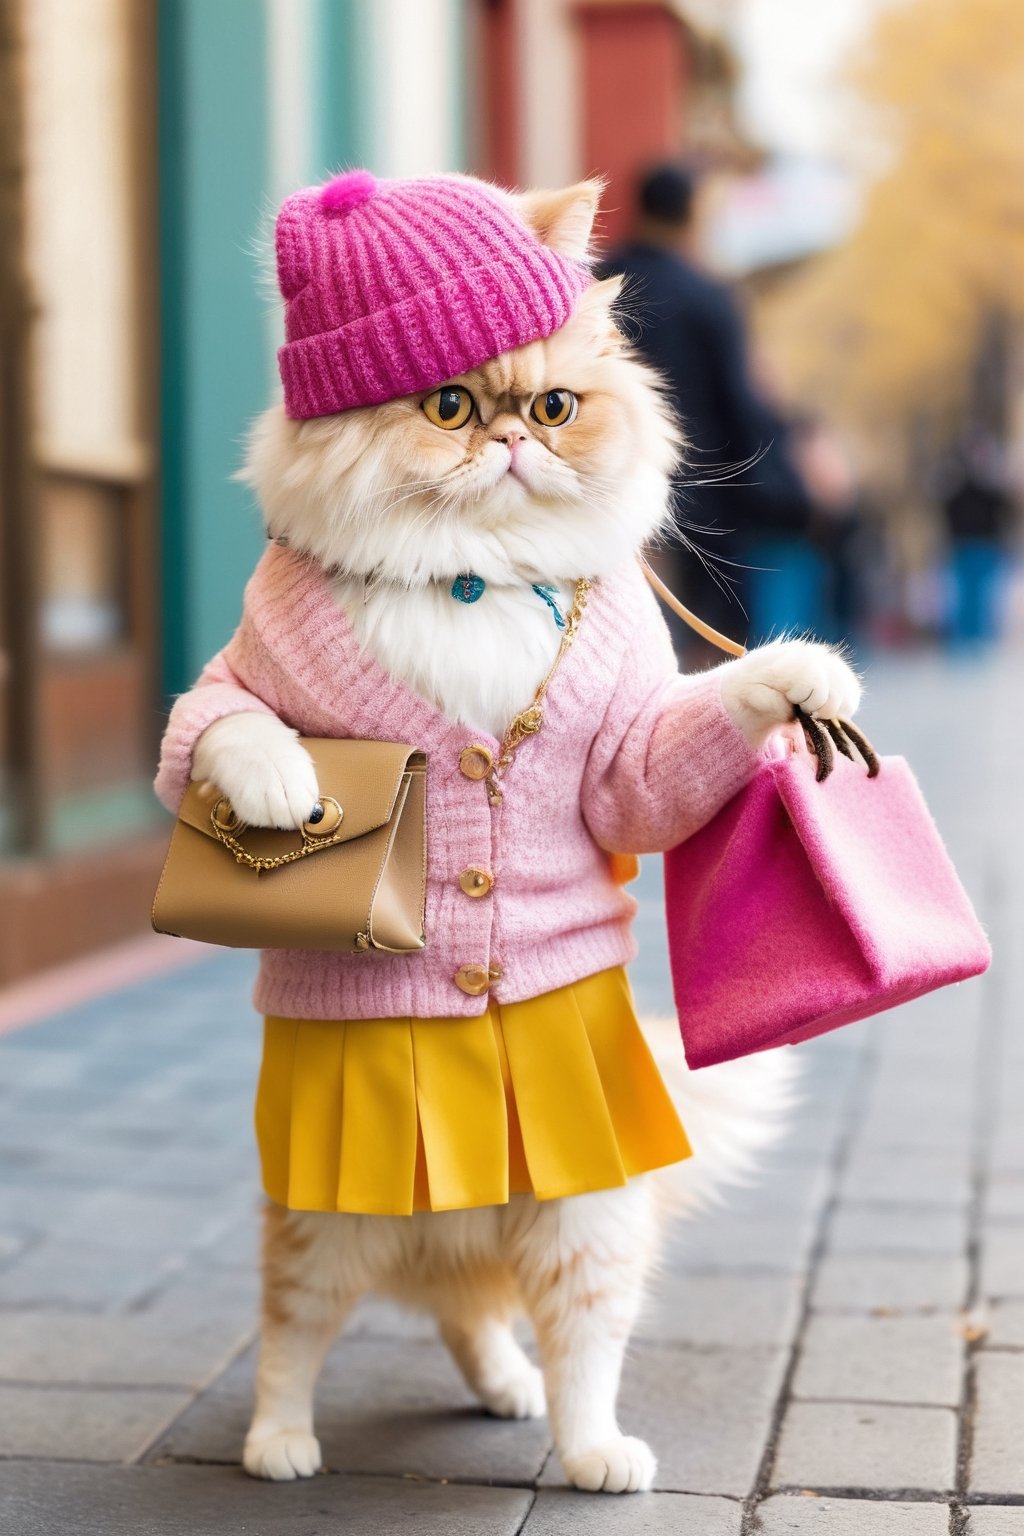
(804, 905)
(821, 894)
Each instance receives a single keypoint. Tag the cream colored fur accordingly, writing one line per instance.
(395, 507)
(579, 1269)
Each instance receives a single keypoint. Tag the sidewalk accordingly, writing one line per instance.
(807, 1366)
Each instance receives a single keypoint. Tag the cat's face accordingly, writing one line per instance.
(549, 462)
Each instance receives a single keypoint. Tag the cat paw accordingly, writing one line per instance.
(517, 1396)
(623, 1465)
(282, 1455)
(258, 763)
(761, 689)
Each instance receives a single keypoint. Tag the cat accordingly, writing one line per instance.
(393, 502)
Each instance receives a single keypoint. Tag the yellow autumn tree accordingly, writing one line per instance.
(887, 327)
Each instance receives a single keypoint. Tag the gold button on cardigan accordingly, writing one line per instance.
(476, 882)
(476, 761)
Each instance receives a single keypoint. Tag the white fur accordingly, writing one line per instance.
(257, 762)
(760, 689)
(394, 513)
(509, 632)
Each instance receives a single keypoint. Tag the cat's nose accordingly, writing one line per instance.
(511, 437)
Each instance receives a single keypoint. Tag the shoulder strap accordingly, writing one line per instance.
(668, 597)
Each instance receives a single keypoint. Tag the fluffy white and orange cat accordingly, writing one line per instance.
(392, 501)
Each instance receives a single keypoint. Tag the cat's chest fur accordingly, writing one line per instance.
(479, 663)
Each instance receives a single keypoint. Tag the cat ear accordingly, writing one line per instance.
(563, 220)
(595, 312)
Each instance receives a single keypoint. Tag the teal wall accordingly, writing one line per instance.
(343, 106)
(216, 152)
(213, 158)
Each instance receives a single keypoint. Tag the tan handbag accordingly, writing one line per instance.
(355, 880)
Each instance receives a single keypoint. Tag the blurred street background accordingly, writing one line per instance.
(846, 204)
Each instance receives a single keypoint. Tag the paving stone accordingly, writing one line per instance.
(1005, 1323)
(995, 1520)
(850, 1517)
(997, 1462)
(1005, 1152)
(66, 1500)
(11, 1244)
(706, 1415)
(881, 1359)
(1004, 1196)
(912, 1178)
(37, 1205)
(235, 1246)
(87, 1424)
(74, 1276)
(914, 1124)
(404, 1413)
(850, 1445)
(787, 1183)
(772, 1242)
(559, 1510)
(163, 1347)
(877, 1230)
(200, 1288)
(721, 1309)
(904, 1284)
(133, 1220)
(1002, 1260)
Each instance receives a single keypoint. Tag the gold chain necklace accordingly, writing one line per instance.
(529, 721)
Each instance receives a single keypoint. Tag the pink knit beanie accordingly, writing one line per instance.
(396, 286)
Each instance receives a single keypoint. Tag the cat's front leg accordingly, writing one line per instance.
(582, 1274)
(760, 690)
(259, 764)
(307, 1293)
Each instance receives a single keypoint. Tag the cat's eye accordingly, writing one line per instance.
(555, 409)
(449, 407)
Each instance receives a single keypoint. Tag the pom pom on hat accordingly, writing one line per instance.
(347, 191)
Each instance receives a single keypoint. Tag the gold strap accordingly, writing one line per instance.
(529, 721)
(227, 827)
(732, 647)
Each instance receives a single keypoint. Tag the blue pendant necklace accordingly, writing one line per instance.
(470, 589)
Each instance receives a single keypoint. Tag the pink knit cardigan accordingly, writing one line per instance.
(632, 758)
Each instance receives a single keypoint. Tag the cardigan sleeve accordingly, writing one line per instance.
(667, 756)
(218, 692)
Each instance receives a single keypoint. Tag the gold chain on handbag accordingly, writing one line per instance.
(529, 721)
(312, 842)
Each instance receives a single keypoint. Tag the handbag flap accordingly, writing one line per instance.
(363, 777)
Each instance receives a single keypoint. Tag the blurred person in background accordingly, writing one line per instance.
(840, 530)
(741, 503)
(979, 516)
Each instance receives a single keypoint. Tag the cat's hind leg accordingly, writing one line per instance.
(308, 1290)
(582, 1270)
(494, 1366)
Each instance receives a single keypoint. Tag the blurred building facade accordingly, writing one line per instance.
(145, 146)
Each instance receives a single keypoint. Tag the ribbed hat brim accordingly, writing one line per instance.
(431, 337)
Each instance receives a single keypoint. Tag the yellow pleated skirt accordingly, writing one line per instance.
(555, 1096)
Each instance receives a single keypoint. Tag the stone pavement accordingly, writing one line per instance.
(839, 1348)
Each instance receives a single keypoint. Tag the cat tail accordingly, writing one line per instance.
(733, 1114)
